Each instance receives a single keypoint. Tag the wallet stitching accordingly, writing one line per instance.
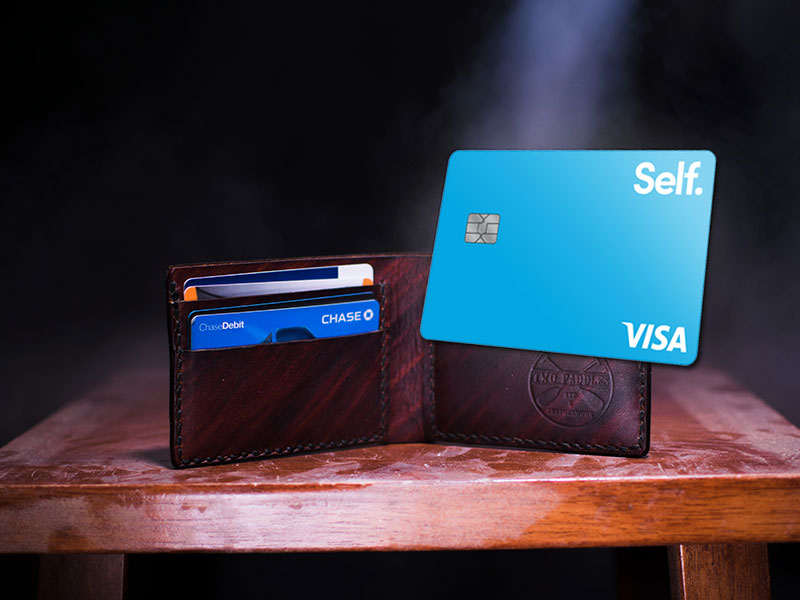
(478, 437)
(178, 388)
(384, 385)
(432, 388)
(178, 383)
(642, 416)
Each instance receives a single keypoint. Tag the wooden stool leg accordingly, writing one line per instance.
(84, 576)
(719, 571)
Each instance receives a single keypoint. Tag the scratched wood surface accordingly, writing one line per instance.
(95, 476)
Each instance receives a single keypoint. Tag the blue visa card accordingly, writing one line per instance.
(247, 325)
(595, 253)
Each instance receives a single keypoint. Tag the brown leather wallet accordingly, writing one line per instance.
(389, 385)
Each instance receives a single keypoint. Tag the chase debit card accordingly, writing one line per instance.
(590, 252)
(246, 325)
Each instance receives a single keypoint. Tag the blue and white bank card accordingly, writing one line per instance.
(596, 252)
(236, 285)
(234, 328)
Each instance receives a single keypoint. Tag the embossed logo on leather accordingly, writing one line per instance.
(571, 390)
(482, 228)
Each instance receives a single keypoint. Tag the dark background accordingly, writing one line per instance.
(142, 136)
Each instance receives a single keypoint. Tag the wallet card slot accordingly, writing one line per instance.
(285, 344)
(192, 305)
(181, 311)
(177, 275)
(277, 399)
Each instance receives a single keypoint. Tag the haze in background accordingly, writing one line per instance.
(181, 134)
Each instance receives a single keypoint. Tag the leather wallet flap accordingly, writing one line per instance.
(239, 403)
(504, 397)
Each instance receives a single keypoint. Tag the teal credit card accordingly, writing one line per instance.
(590, 252)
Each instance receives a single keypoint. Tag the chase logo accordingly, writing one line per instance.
(348, 317)
(482, 228)
(679, 183)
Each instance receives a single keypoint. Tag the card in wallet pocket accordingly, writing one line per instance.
(385, 384)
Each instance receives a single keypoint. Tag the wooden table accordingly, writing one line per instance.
(721, 480)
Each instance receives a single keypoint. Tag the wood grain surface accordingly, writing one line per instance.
(719, 571)
(95, 477)
(82, 577)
